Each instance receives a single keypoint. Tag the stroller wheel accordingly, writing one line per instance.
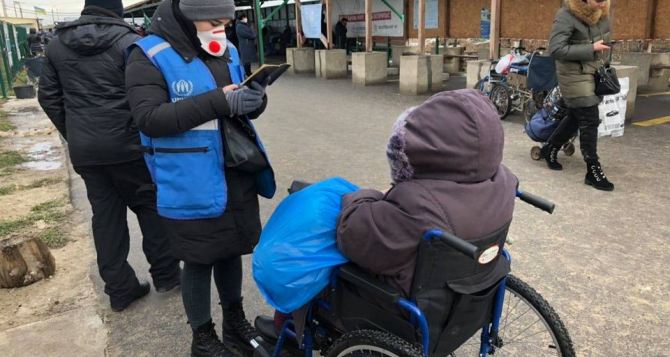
(569, 149)
(535, 153)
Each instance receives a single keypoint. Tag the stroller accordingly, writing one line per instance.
(460, 287)
(545, 123)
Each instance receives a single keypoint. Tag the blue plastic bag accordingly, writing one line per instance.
(297, 252)
(541, 126)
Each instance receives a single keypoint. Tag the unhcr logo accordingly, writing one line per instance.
(182, 88)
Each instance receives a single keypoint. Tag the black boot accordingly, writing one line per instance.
(550, 154)
(121, 303)
(206, 343)
(237, 331)
(596, 177)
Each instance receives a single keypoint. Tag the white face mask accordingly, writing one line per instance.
(245, 20)
(214, 41)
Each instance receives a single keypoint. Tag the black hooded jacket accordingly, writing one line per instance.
(82, 88)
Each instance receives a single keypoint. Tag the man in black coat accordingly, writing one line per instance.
(341, 33)
(82, 90)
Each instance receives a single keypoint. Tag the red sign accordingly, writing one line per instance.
(376, 16)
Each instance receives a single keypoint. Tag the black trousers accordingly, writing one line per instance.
(586, 120)
(111, 190)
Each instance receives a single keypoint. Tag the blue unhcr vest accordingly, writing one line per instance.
(188, 169)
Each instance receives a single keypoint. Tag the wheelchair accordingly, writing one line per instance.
(524, 88)
(463, 302)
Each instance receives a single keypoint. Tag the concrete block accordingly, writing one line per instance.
(369, 68)
(398, 51)
(477, 70)
(300, 59)
(415, 74)
(453, 65)
(436, 67)
(632, 73)
(643, 63)
(330, 64)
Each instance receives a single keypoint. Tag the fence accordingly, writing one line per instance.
(14, 47)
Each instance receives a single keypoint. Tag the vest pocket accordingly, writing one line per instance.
(189, 178)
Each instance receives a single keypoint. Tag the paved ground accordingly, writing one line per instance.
(600, 260)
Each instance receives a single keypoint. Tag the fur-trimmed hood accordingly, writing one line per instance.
(454, 136)
(586, 13)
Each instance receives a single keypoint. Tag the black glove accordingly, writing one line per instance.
(245, 100)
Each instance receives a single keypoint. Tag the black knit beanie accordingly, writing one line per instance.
(115, 6)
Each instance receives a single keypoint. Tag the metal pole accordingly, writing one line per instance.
(329, 26)
(494, 49)
(298, 24)
(16, 14)
(422, 26)
(368, 25)
(20, 9)
(259, 36)
(4, 9)
(53, 17)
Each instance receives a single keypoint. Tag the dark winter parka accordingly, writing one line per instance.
(445, 158)
(576, 27)
(207, 240)
(82, 88)
(247, 39)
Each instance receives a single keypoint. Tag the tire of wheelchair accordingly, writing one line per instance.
(507, 98)
(377, 343)
(546, 312)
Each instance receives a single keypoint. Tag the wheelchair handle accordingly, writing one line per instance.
(453, 241)
(536, 201)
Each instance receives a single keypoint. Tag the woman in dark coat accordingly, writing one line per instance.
(195, 31)
(578, 39)
(247, 38)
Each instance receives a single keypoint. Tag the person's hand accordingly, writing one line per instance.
(230, 88)
(259, 86)
(244, 100)
(600, 46)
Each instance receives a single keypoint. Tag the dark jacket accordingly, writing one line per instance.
(340, 35)
(82, 88)
(576, 27)
(247, 38)
(448, 175)
(237, 231)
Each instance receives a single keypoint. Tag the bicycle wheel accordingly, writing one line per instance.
(369, 343)
(528, 327)
(502, 100)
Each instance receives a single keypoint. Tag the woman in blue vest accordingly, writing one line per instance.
(182, 88)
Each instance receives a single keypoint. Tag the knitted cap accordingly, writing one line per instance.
(113, 5)
(198, 10)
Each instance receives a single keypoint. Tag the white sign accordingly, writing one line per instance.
(385, 23)
(311, 20)
(432, 11)
(613, 111)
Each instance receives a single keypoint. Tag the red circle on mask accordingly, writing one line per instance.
(214, 47)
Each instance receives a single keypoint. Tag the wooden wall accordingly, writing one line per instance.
(662, 19)
(527, 18)
(464, 17)
(441, 31)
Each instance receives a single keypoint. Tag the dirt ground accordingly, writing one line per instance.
(36, 192)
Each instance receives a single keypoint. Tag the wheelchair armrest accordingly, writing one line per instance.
(367, 282)
(298, 185)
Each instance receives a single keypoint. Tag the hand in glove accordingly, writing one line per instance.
(244, 100)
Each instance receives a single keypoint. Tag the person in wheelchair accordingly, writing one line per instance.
(445, 157)
(446, 166)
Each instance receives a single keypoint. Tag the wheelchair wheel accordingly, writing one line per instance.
(569, 149)
(369, 343)
(535, 153)
(502, 100)
(528, 326)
